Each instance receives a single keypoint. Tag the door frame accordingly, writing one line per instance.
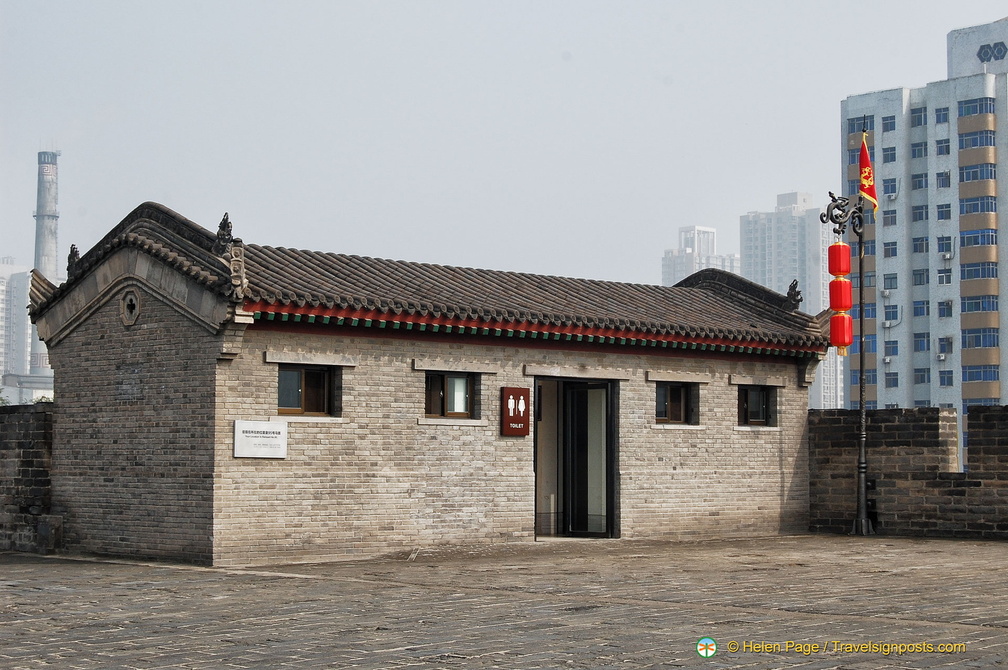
(564, 456)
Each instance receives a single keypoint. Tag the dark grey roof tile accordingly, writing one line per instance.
(709, 304)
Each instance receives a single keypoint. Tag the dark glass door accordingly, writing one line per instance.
(588, 459)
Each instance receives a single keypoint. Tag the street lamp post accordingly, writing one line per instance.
(839, 212)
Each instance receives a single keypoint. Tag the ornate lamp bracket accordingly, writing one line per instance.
(840, 211)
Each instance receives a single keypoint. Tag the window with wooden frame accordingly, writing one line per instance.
(677, 402)
(755, 406)
(451, 395)
(311, 390)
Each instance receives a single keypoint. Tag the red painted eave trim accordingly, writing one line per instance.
(476, 326)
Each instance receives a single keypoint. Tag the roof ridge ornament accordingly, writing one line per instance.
(72, 260)
(222, 245)
(232, 250)
(794, 297)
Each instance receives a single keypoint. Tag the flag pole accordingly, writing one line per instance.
(866, 191)
(839, 212)
(862, 524)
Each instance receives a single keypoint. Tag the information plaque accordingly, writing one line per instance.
(260, 439)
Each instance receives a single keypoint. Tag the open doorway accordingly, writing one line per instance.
(575, 452)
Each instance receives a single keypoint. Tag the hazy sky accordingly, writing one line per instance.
(561, 137)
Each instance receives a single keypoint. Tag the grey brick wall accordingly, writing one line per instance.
(377, 479)
(143, 461)
(132, 464)
(988, 443)
(26, 523)
(913, 463)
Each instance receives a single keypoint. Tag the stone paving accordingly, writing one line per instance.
(552, 604)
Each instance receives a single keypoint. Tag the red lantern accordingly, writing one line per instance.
(841, 332)
(839, 255)
(840, 295)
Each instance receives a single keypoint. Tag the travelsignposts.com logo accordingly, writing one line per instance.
(706, 647)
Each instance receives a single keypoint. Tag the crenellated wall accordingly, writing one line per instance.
(915, 484)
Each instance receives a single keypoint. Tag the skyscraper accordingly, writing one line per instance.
(786, 244)
(15, 335)
(932, 268)
(697, 251)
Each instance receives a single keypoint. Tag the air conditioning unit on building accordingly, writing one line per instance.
(940, 357)
(887, 360)
(885, 293)
(946, 256)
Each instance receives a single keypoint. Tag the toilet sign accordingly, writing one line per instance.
(516, 406)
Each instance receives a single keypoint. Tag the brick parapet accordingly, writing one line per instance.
(917, 487)
(26, 523)
(988, 440)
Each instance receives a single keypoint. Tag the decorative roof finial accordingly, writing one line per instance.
(222, 246)
(794, 297)
(72, 259)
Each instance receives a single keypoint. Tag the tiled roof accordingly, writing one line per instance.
(711, 306)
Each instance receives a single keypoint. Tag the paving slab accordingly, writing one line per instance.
(808, 601)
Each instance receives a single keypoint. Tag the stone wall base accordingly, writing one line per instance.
(33, 533)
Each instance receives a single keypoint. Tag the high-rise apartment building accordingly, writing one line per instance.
(933, 273)
(790, 244)
(697, 251)
(15, 335)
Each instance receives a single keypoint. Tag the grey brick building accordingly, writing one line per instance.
(230, 403)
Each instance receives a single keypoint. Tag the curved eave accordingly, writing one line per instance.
(428, 323)
(201, 272)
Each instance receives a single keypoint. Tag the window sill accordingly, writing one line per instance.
(297, 418)
(448, 421)
(758, 429)
(677, 426)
